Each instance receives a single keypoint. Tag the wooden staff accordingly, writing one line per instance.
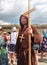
(29, 37)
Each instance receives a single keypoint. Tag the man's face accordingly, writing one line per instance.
(23, 20)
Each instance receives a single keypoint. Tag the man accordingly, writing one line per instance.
(22, 46)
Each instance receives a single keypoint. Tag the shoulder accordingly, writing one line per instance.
(34, 30)
(33, 27)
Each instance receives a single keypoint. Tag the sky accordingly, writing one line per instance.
(10, 11)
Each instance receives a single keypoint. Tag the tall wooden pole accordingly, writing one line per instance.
(29, 37)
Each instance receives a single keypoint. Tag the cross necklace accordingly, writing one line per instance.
(22, 36)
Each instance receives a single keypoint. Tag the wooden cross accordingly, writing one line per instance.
(21, 38)
(29, 37)
(27, 12)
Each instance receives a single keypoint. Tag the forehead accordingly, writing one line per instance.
(23, 17)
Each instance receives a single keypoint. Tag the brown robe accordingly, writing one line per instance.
(22, 47)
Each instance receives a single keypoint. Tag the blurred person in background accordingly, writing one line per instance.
(13, 40)
(8, 39)
(3, 50)
(8, 44)
(43, 43)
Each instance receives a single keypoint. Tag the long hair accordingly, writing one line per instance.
(22, 26)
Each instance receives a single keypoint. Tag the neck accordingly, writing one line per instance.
(25, 26)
